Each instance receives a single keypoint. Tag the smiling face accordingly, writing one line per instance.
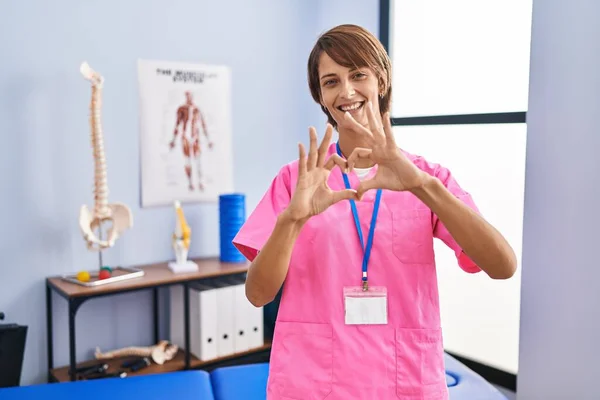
(347, 67)
(346, 89)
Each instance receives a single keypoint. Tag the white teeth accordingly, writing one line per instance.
(351, 107)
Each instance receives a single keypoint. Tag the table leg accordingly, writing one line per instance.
(49, 336)
(72, 355)
(186, 324)
(155, 312)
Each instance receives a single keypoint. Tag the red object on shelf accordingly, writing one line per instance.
(103, 274)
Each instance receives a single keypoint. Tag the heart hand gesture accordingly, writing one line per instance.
(313, 195)
(395, 171)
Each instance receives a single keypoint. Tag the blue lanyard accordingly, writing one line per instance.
(367, 249)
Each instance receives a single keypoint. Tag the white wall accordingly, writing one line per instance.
(336, 12)
(560, 303)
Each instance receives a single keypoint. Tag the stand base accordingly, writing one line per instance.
(118, 274)
(188, 266)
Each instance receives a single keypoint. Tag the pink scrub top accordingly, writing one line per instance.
(314, 354)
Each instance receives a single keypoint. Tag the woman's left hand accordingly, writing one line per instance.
(395, 171)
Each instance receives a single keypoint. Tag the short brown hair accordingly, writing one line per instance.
(352, 47)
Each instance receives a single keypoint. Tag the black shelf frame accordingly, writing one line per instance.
(74, 303)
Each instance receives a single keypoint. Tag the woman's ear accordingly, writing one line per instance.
(382, 87)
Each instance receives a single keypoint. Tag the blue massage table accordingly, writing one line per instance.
(181, 385)
(249, 382)
(244, 382)
(463, 383)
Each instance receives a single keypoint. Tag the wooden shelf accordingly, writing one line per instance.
(176, 364)
(154, 275)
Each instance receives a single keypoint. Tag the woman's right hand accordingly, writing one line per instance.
(313, 195)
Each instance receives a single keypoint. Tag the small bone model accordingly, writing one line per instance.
(181, 236)
(181, 243)
(118, 215)
(160, 353)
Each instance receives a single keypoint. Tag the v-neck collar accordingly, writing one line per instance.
(352, 177)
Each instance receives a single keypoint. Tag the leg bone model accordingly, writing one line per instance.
(161, 352)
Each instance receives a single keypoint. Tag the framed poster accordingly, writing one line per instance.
(185, 132)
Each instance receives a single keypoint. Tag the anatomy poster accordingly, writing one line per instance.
(185, 122)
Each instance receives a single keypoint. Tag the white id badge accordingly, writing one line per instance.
(365, 307)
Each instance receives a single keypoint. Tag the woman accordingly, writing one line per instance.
(359, 316)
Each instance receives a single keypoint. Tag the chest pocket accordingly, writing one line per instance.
(412, 236)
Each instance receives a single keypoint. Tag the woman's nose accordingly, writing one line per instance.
(348, 90)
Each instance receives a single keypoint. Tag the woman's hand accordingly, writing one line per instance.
(395, 171)
(312, 195)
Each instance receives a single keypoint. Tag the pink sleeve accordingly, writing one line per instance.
(259, 225)
(440, 231)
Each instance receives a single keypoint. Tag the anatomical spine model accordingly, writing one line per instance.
(118, 215)
(161, 352)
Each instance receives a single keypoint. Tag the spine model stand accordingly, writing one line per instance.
(118, 215)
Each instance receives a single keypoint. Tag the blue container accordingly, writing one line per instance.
(235, 213)
(237, 198)
(232, 215)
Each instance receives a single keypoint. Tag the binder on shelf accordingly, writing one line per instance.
(223, 322)
(225, 318)
(255, 324)
(249, 320)
(241, 341)
(203, 320)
